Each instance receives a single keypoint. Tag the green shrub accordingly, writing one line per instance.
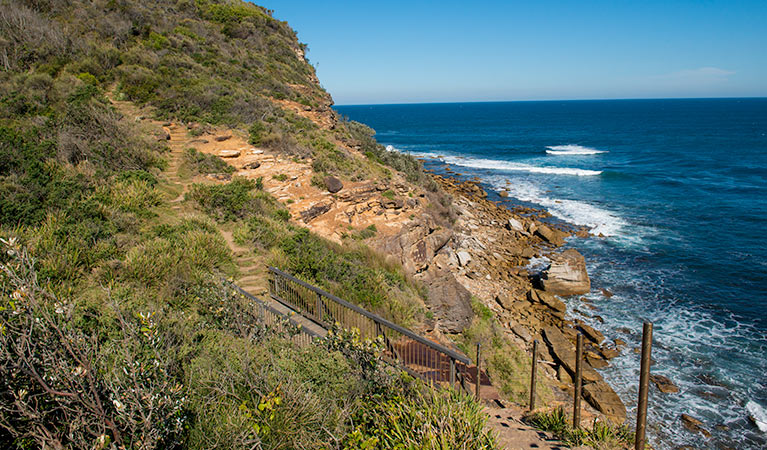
(422, 418)
(203, 163)
(233, 200)
(601, 435)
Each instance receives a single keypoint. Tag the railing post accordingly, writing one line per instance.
(644, 382)
(479, 372)
(319, 308)
(578, 381)
(534, 375)
(452, 372)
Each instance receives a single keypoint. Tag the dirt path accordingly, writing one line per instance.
(513, 434)
(290, 182)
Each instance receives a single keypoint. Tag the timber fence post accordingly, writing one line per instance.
(578, 381)
(533, 374)
(479, 373)
(644, 382)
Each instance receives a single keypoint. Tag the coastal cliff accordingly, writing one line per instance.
(150, 151)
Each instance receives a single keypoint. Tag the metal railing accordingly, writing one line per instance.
(404, 348)
(278, 320)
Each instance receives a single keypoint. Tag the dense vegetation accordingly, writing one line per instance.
(116, 329)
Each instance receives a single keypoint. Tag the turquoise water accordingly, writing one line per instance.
(678, 190)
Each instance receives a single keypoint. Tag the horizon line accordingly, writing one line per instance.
(552, 100)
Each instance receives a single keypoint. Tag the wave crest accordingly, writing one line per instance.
(495, 164)
(572, 149)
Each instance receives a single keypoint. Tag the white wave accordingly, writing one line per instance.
(572, 149)
(538, 264)
(758, 414)
(494, 164)
(599, 221)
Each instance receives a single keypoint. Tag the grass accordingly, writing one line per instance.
(201, 163)
(601, 435)
(508, 366)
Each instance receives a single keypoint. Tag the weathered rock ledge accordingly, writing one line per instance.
(487, 252)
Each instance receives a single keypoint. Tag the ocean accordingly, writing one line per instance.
(675, 193)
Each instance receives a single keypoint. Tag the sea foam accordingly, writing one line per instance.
(572, 150)
(758, 415)
(599, 220)
(496, 164)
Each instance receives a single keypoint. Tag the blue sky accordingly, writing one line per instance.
(410, 51)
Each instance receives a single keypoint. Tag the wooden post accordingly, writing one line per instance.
(644, 384)
(479, 372)
(578, 381)
(534, 375)
(452, 372)
(319, 309)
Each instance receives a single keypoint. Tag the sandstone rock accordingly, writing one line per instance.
(395, 203)
(564, 351)
(448, 300)
(694, 425)
(567, 274)
(504, 193)
(619, 342)
(602, 397)
(609, 352)
(516, 225)
(229, 153)
(315, 211)
(595, 360)
(606, 293)
(252, 165)
(664, 384)
(463, 258)
(555, 237)
(222, 138)
(522, 332)
(547, 299)
(333, 184)
(591, 333)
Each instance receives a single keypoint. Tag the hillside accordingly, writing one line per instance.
(148, 152)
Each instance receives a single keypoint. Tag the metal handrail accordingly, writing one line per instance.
(374, 317)
(272, 310)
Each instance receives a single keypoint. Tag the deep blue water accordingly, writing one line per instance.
(678, 189)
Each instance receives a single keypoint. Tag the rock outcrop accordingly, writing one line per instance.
(567, 274)
(602, 397)
(419, 247)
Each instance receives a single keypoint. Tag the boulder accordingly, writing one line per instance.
(555, 237)
(566, 275)
(516, 225)
(694, 425)
(448, 300)
(591, 333)
(547, 299)
(229, 153)
(222, 138)
(610, 352)
(463, 258)
(664, 384)
(333, 184)
(564, 351)
(252, 165)
(602, 397)
(522, 332)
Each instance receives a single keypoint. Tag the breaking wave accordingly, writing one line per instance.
(572, 149)
(508, 166)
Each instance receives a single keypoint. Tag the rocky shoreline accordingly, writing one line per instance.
(488, 252)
